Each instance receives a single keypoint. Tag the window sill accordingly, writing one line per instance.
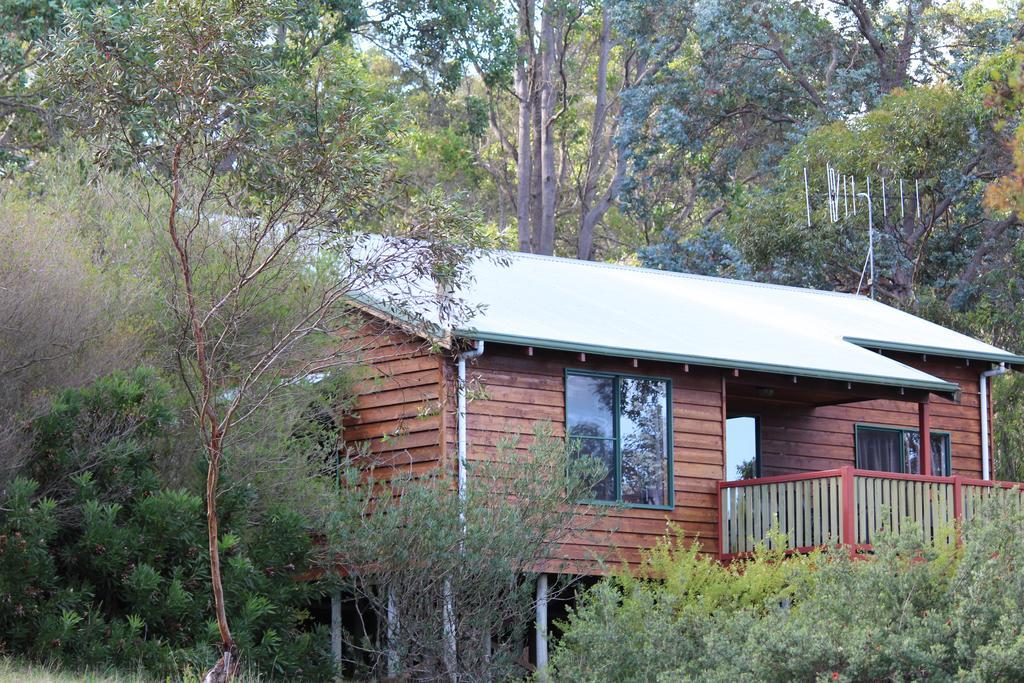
(626, 506)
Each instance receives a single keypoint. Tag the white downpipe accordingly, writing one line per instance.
(476, 352)
(448, 609)
(986, 471)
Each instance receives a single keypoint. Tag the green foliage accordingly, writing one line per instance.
(1008, 432)
(937, 263)
(907, 612)
(707, 252)
(103, 567)
(299, 158)
(634, 626)
(413, 544)
(442, 39)
(28, 126)
(1000, 81)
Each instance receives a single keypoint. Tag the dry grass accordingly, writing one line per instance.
(15, 671)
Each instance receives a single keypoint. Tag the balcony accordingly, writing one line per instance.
(846, 506)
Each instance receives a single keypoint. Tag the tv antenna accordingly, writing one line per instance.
(842, 199)
(842, 195)
(869, 260)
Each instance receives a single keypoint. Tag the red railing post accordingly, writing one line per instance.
(721, 525)
(924, 430)
(958, 498)
(958, 506)
(848, 511)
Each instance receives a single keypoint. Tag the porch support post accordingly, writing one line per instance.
(541, 625)
(336, 628)
(392, 626)
(924, 452)
(451, 651)
(849, 522)
(723, 527)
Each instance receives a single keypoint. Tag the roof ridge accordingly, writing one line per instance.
(672, 273)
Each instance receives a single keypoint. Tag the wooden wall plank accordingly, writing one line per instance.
(523, 391)
(799, 439)
(406, 413)
(397, 415)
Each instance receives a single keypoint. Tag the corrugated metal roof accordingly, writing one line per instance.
(559, 303)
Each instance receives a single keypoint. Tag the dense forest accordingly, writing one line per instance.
(167, 168)
(670, 134)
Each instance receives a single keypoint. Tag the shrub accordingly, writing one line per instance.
(907, 612)
(102, 567)
(456, 572)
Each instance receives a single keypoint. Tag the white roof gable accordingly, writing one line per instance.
(559, 303)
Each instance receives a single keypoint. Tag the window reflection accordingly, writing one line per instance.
(642, 427)
(623, 423)
(603, 451)
(741, 447)
(590, 405)
(940, 453)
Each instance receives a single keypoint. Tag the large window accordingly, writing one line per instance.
(888, 449)
(624, 423)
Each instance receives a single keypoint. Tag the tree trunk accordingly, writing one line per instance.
(524, 91)
(599, 149)
(226, 667)
(535, 169)
(548, 185)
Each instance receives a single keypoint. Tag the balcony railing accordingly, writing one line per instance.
(845, 506)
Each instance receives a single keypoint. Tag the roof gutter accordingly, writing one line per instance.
(475, 352)
(995, 356)
(986, 469)
(937, 385)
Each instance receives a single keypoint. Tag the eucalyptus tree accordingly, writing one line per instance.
(550, 148)
(267, 174)
(752, 79)
(1003, 92)
(935, 240)
(548, 78)
(27, 124)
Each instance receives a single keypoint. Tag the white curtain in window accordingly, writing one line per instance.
(879, 449)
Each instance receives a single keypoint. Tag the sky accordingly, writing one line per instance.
(740, 444)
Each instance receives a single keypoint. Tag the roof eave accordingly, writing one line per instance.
(937, 386)
(426, 330)
(993, 357)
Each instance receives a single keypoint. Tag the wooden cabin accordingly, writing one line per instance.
(720, 406)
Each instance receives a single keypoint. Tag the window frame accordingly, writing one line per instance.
(616, 377)
(903, 445)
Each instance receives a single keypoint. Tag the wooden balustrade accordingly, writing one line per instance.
(886, 503)
(806, 509)
(846, 506)
(975, 492)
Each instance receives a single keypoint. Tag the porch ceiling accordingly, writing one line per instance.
(752, 390)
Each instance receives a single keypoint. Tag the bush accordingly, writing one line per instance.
(102, 567)
(456, 572)
(907, 612)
